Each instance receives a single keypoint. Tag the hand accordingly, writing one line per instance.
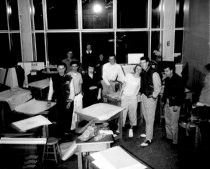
(99, 97)
(68, 105)
(48, 103)
(93, 87)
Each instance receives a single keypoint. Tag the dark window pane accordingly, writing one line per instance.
(132, 14)
(3, 15)
(131, 42)
(38, 14)
(100, 42)
(15, 47)
(178, 46)
(62, 14)
(4, 43)
(12, 9)
(156, 9)
(60, 43)
(97, 14)
(40, 47)
(156, 47)
(179, 13)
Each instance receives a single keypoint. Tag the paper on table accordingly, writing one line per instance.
(41, 84)
(34, 141)
(32, 122)
(33, 107)
(117, 158)
(100, 111)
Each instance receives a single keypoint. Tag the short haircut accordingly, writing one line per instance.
(75, 62)
(112, 56)
(91, 65)
(171, 66)
(62, 64)
(144, 58)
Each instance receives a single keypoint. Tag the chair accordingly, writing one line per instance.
(51, 148)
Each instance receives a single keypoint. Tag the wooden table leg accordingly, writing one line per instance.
(79, 158)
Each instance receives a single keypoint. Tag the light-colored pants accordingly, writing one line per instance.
(78, 104)
(148, 108)
(171, 122)
(130, 104)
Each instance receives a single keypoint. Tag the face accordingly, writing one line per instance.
(138, 70)
(88, 47)
(90, 69)
(168, 72)
(144, 64)
(101, 56)
(74, 67)
(112, 60)
(70, 54)
(61, 69)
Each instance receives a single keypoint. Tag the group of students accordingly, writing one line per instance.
(74, 90)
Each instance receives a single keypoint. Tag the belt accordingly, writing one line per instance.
(77, 94)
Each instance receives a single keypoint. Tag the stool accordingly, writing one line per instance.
(52, 143)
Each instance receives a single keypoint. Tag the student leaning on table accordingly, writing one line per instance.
(129, 97)
(112, 74)
(61, 88)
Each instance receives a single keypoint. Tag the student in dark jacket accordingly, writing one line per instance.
(172, 98)
(91, 87)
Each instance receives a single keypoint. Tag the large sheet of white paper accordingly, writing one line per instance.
(33, 107)
(134, 58)
(116, 158)
(30, 123)
(15, 96)
(68, 149)
(100, 111)
(33, 141)
(40, 84)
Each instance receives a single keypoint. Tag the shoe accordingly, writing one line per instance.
(146, 143)
(130, 133)
(117, 131)
(143, 135)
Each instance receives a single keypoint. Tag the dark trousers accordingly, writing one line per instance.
(64, 117)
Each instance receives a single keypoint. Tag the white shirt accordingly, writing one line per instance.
(131, 85)
(77, 81)
(112, 73)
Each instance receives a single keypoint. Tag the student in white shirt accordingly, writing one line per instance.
(112, 73)
(129, 100)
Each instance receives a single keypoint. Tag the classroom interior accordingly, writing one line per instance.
(36, 34)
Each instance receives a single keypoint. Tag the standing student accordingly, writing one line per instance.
(150, 89)
(78, 100)
(88, 57)
(112, 74)
(61, 88)
(67, 60)
(172, 97)
(91, 87)
(129, 100)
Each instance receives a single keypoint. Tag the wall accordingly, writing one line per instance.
(196, 43)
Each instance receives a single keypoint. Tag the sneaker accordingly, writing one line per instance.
(143, 135)
(130, 133)
(117, 131)
(146, 143)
